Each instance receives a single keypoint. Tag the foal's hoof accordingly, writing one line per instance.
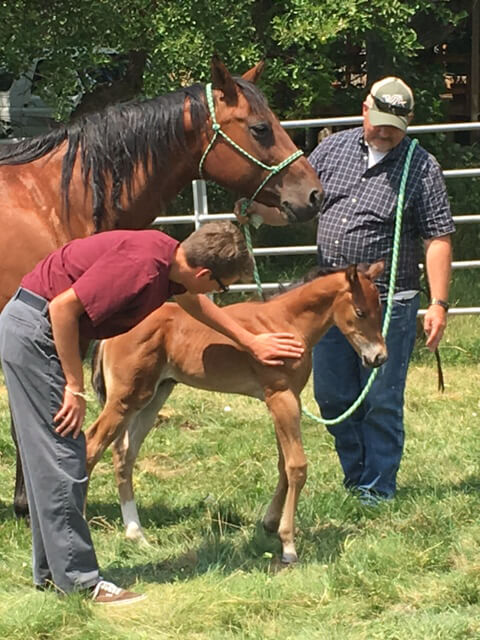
(134, 533)
(289, 558)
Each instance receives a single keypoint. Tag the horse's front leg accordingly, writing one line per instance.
(20, 502)
(285, 409)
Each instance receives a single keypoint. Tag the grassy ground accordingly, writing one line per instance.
(409, 570)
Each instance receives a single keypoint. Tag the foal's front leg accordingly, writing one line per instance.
(271, 520)
(285, 409)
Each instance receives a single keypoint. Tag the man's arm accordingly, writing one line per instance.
(265, 347)
(65, 311)
(269, 215)
(438, 265)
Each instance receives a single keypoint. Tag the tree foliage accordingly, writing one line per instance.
(320, 56)
(312, 48)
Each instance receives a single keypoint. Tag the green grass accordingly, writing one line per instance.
(409, 570)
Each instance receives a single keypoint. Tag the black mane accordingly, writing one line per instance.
(113, 142)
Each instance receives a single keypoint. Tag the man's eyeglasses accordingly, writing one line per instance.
(224, 288)
(388, 107)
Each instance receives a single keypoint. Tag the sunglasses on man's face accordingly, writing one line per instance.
(224, 288)
(388, 107)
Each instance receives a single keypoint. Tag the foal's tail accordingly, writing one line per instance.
(98, 380)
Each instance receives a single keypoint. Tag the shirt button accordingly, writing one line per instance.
(354, 199)
(364, 179)
(336, 241)
(334, 264)
(344, 220)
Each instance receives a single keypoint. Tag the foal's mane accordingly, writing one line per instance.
(116, 140)
(312, 274)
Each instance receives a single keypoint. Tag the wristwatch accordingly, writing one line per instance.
(442, 303)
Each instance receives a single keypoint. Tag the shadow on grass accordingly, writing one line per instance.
(230, 542)
(468, 486)
(6, 511)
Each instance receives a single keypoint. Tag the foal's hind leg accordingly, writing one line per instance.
(285, 409)
(110, 424)
(125, 450)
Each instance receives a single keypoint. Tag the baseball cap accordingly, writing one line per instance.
(392, 102)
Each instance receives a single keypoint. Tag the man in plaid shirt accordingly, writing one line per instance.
(360, 170)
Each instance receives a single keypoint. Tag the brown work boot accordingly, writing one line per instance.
(108, 593)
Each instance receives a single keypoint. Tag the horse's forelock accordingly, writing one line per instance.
(255, 98)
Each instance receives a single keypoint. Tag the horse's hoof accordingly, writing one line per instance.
(22, 512)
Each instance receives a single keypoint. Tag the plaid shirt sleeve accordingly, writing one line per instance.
(431, 206)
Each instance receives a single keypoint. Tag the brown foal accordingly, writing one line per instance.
(134, 374)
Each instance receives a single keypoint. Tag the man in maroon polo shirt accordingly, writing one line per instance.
(99, 287)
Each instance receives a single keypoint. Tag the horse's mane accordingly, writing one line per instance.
(116, 140)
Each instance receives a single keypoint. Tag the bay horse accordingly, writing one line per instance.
(120, 167)
(134, 373)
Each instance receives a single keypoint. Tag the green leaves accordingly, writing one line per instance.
(308, 45)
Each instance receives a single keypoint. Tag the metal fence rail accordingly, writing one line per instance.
(201, 214)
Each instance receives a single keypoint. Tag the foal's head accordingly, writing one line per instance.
(358, 315)
(243, 114)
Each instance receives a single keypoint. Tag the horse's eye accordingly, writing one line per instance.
(260, 130)
(359, 313)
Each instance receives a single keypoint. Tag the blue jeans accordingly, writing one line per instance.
(370, 442)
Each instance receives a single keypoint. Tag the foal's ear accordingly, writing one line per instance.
(372, 271)
(352, 275)
(253, 74)
(222, 79)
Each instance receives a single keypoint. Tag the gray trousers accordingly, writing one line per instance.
(54, 467)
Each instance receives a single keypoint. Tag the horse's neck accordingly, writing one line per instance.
(149, 196)
(310, 306)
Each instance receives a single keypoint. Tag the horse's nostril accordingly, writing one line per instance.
(316, 199)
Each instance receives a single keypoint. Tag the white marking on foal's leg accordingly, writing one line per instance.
(133, 528)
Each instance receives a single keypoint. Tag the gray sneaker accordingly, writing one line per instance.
(108, 593)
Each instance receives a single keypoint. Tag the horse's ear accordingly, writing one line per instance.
(372, 271)
(222, 79)
(253, 74)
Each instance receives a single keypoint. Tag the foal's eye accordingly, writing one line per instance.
(359, 313)
(260, 130)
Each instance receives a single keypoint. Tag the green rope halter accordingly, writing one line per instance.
(217, 130)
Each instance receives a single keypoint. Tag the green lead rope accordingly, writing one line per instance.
(391, 288)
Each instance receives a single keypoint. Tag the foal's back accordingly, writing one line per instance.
(171, 345)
